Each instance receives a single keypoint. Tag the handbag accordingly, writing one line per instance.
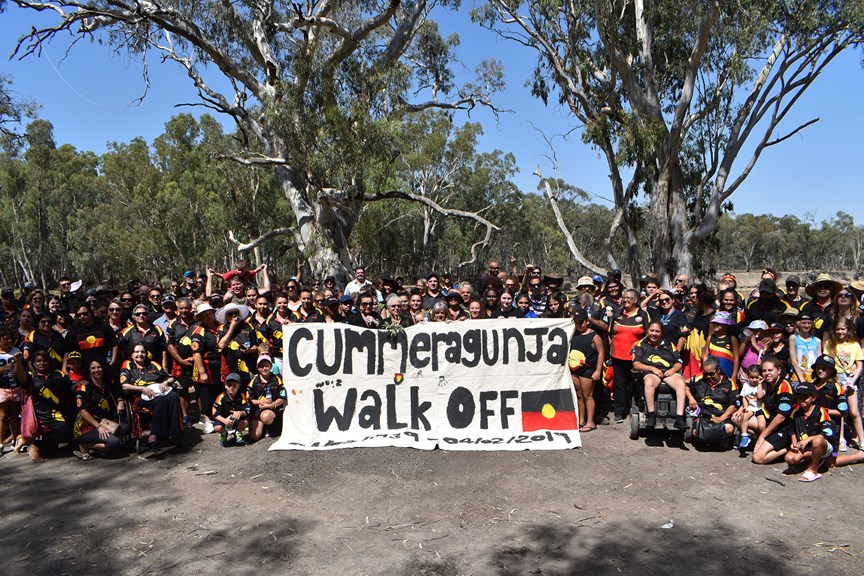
(29, 421)
(709, 432)
(110, 425)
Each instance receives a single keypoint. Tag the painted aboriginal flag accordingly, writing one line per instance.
(548, 410)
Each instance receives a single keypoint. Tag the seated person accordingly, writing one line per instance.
(716, 397)
(812, 433)
(148, 386)
(268, 398)
(97, 413)
(660, 362)
(231, 413)
(749, 418)
(777, 403)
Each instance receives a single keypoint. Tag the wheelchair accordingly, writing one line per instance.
(665, 407)
(138, 418)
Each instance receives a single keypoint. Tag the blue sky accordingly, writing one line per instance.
(87, 97)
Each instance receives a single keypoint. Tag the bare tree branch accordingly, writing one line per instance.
(264, 237)
(410, 196)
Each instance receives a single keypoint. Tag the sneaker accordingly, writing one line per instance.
(232, 438)
(680, 423)
(843, 445)
(241, 439)
(619, 419)
(651, 420)
(223, 439)
(208, 427)
(745, 443)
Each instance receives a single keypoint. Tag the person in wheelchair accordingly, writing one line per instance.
(659, 362)
(717, 399)
(141, 376)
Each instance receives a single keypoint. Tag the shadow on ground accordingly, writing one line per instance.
(125, 517)
(635, 549)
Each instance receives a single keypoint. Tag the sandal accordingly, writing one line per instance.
(587, 428)
(809, 476)
(82, 455)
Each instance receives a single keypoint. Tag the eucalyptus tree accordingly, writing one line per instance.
(681, 97)
(317, 89)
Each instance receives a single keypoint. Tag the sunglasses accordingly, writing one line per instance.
(115, 309)
(533, 286)
(126, 300)
(291, 287)
(664, 300)
(709, 374)
(82, 314)
(139, 314)
(844, 295)
(366, 304)
(319, 301)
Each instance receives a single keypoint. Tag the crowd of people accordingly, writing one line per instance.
(773, 371)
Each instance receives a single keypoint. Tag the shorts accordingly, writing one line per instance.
(584, 371)
(10, 395)
(778, 440)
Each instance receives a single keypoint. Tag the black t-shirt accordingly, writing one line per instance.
(206, 343)
(153, 340)
(675, 323)
(512, 313)
(55, 344)
(95, 342)
(715, 400)
(765, 309)
(51, 398)
(662, 356)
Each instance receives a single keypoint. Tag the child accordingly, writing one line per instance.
(268, 400)
(242, 271)
(846, 351)
(231, 413)
(751, 418)
(721, 344)
(804, 348)
(752, 348)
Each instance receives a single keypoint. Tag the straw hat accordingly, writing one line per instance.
(823, 278)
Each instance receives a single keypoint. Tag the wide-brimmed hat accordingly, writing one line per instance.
(202, 308)
(823, 278)
(857, 286)
(826, 361)
(585, 281)
(723, 317)
(790, 312)
(229, 308)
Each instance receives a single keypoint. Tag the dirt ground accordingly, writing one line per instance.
(604, 508)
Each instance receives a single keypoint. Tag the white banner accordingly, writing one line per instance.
(473, 385)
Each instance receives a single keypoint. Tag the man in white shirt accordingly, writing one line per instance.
(359, 281)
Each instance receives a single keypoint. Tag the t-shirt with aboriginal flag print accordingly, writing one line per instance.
(94, 341)
(625, 330)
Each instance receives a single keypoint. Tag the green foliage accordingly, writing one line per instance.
(139, 209)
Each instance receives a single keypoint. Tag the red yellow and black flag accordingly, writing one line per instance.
(548, 410)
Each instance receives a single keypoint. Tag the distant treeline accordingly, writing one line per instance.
(156, 209)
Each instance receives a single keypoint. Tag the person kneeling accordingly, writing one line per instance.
(231, 413)
(811, 433)
(268, 398)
